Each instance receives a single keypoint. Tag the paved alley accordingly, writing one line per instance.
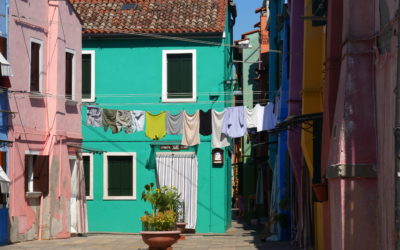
(235, 238)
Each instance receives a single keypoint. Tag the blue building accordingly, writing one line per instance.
(4, 115)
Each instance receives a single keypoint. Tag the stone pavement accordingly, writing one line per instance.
(236, 238)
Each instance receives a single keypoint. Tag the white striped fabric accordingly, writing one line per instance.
(180, 170)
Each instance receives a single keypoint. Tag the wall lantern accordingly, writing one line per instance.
(218, 156)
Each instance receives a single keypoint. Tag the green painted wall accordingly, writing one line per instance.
(132, 67)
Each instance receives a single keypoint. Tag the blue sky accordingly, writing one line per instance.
(246, 17)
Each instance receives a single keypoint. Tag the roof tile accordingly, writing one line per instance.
(152, 16)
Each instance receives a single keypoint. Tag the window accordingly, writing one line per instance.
(69, 74)
(87, 162)
(37, 174)
(120, 176)
(88, 75)
(36, 67)
(179, 76)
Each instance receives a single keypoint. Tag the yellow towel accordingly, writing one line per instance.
(155, 126)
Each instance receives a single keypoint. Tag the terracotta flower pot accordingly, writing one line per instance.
(160, 240)
(320, 191)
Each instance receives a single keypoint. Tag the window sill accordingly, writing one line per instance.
(35, 94)
(71, 102)
(32, 195)
(89, 100)
(179, 100)
(119, 198)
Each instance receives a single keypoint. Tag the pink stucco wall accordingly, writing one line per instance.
(362, 210)
(46, 124)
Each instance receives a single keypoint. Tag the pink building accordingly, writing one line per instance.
(47, 198)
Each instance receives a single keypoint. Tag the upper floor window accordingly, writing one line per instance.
(36, 66)
(179, 76)
(88, 75)
(69, 74)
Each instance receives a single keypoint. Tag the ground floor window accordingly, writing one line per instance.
(37, 174)
(87, 162)
(119, 176)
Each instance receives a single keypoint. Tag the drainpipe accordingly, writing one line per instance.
(397, 145)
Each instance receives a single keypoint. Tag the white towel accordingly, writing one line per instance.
(219, 140)
(191, 129)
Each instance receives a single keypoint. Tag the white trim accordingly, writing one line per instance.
(32, 152)
(73, 89)
(89, 197)
(164, 76)
(105, 174)
(41, 70)
(92, 54)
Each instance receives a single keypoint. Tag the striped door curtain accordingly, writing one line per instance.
(180, 170)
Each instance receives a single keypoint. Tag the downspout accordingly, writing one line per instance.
(397, 145)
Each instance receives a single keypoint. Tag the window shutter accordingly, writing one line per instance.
(180, 76)
(68, 75)
(120, 175)
(35, 49)
(86, 76)
(86, 169)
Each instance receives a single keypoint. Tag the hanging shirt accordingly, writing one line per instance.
(266, 118)
(174, 123)
(110, 120)
(191, 127)
(205, 122)
(137, 120)
(234, 124)
(155, 126)
(94, 117)
(124, 121)
(219, 140)
(251, 117)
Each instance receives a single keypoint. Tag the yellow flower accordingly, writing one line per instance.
(158, 190)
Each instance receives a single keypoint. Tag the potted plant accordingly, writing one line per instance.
(159, 225)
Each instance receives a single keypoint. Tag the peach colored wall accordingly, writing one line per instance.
(43, 124)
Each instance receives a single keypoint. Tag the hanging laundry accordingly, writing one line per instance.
(266, 119)
(251, 117)
(219, 140)
(205, 122)
(124, 121)
(191, 127)
(94, 117)
(110, 120)
(155, 125)
(137, 120)
(174, 123)
(234, 124)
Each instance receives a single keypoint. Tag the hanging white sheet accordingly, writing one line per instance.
(4, 181)
(181, 171)
(5, 66)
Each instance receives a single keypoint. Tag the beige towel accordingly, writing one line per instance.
(191, 126)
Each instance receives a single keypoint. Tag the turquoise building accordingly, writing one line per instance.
(132, 56)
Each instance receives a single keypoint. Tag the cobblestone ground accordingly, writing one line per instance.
(235, 238)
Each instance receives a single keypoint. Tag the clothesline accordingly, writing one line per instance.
(232, 122)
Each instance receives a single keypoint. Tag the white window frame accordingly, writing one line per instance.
(73, 87)
(105, 174)
(92, 54)
(41, 70)
(89, 197)
(30, 153)
(165, 76)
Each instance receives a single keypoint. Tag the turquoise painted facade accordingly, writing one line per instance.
(128, 73)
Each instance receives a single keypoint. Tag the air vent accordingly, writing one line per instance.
(129, 6)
